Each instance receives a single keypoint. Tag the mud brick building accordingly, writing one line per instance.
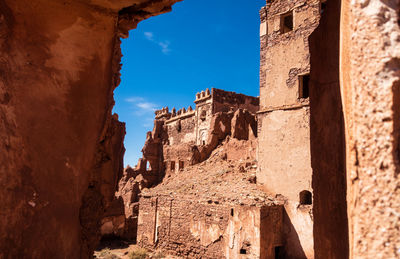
(284, 116)
(200, 229)
(208, 204)
(189, 129)
(179, 140)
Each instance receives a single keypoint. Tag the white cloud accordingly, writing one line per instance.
(164, 45)
(147, 106)
(149, 35)
(134, 99)
(141, 106)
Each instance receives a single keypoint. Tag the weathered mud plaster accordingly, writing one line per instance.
(370, 74)
(284, 159)
(60, 146)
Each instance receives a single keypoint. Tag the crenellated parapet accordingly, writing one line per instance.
(181, 113)
(163, 113)
(203, 95)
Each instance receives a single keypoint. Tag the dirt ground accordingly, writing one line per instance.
(120, 249)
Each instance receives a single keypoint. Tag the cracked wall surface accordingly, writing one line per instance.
(61, 148)
(370, 73)
(284, 159)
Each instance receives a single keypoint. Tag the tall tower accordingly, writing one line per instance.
(284, 117)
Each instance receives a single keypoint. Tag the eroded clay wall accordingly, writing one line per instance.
(284, 167)
(203, 120)
(60, 64)
(369, 79)
(285, 56)
(176, 158)
(181, 130)
(284, 151)
(55, 114)
(284, 159)
(193, 229)
(224, 101)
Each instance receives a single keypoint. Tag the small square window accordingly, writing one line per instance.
(304, 90)
(287, 22)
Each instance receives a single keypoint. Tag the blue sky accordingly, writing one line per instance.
(170, 57)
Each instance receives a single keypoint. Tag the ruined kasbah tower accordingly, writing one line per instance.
(284, 160)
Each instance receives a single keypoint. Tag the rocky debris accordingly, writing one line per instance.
(240, 124)
(227, 158)
(227, 176)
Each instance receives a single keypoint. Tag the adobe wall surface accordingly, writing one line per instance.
(180, 156)
(285, 55)
(284, 167)
(181, 130)
(223, 101)
(56, 169)
(369, 77)
(284, 157)
(284, 160)
(181, 139)
(204, 113)
(195, 217)
(193, 229)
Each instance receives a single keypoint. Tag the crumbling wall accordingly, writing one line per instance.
(240, 125)
(204, 114)
(285, 56)
(186, 227)
(59, 69)
(224, 101)
(284, 159)
(178, 157)
(369, 79)
(178, 148)
(181, 130)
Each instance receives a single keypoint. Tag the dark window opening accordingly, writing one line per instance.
(204, 142)
(232, 212)
(245, 248)
(287, 22)
(278, 252)
(304, 86)
(322, 7)
(172, 165)
(305, 198)
(181, 165)
(203, 115)
(179, 126)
